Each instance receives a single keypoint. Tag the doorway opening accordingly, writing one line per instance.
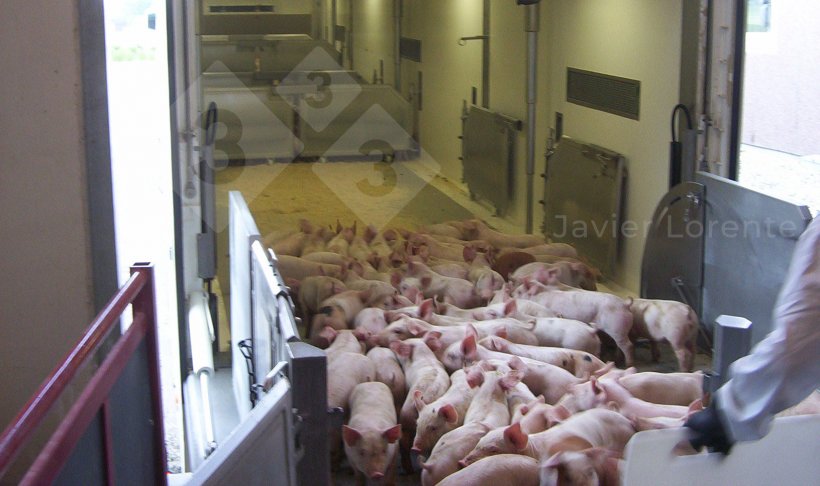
(779, 142)
(137, 71)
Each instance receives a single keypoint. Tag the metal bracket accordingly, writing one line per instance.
(336, 417)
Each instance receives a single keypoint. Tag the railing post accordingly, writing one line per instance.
(145, 304)
(308, 373)
(733, 340)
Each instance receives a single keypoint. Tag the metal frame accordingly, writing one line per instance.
(262, 310)
(97, 150)
(94, 400)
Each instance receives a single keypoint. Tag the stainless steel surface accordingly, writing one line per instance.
(256, 53)
(377, 120)
(583, 195)
(489, 155)
(672, 267)
(260, 450)
(733, 340)
(257, 124)
(749, 239)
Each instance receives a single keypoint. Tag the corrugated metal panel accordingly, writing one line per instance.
(489, 155)
(619, 96)
(583, 200)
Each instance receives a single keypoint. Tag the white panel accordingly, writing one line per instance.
(241, 228)
(786, 456)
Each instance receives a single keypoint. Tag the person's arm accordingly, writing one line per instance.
(782, 369)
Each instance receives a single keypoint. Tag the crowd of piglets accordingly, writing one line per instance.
(473, 356)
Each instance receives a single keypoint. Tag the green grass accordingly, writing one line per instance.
(133, 53)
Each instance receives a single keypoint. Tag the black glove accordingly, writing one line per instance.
(708, 430)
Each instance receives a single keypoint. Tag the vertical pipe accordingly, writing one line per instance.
(350, 34)
(397, 14)
(485, 56)
(334, 21)
(531, 28)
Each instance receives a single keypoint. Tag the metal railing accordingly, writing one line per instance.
(113, 431)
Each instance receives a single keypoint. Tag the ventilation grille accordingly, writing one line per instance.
(619, 96)
(410, 49)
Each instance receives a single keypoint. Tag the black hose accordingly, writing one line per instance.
(210, 124)
(680, 107)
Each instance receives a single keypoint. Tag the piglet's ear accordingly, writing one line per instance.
(426, 309)
(402, 349)
(510, 307)
(432, 341)
(554, 460)
(449, 413)
(595, 387)
(392, 434)
(468, 345)
(350, 435)
(417, 401)
(515, 437)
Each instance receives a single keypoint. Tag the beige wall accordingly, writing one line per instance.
(449, 72)
(373, 39)
(45, 289)
(637, 39)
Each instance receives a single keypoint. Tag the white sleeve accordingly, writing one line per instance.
(784, 368)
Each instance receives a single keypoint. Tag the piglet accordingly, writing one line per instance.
(369, 322)
(371, 434)
(497, 470)
(598, 427)
(579, 363)
(608, 312)
(664, 388)
(476, 229)
(338, 312)
(345, 370)
(299, 268)
(452, 446)
(424, 373)
(545, 379)
(595, 466)
(667, 320)
(489, 405)
(606, 391)
(567, 333)
(444, 414)
(389, 372)
(314, 290)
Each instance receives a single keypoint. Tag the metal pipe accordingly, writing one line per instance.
(485, 56)
(201, 335)
(397, 15)
(207, 417)
(531, 28)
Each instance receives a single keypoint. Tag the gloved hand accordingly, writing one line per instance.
(707, 430)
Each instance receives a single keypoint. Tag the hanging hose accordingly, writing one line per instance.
(675, 147)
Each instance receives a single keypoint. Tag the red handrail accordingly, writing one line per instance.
(138, 290)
